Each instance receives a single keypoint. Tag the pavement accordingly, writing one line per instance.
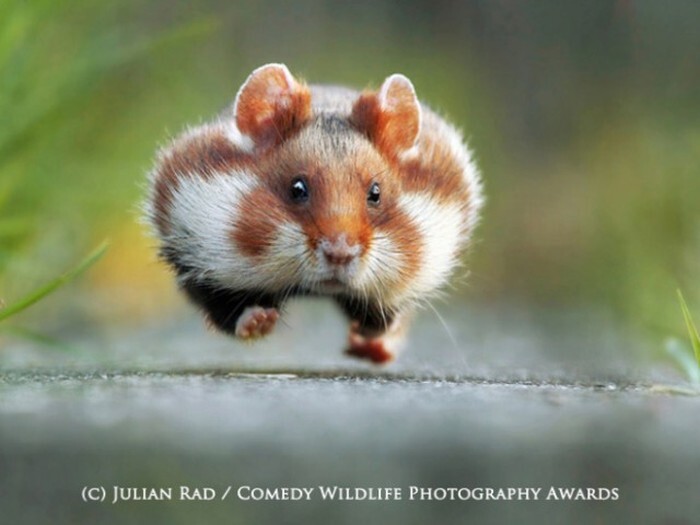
(508, 416)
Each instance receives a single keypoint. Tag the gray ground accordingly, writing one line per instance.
(508, 399)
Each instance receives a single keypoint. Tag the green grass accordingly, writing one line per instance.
(33, 297)
(51, 286)
(693, 335)
(687, 360)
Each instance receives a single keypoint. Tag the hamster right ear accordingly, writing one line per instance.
(391, 117)
(270, 105)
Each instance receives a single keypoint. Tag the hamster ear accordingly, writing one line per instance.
(270, 105)
(391, 117)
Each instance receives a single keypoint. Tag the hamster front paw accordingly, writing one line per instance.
(256, 321)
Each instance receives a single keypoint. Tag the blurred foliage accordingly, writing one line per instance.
(584, 116)
(54, 60)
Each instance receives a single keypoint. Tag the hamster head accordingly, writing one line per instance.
(323, 214)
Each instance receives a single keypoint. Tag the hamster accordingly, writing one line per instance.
(367, 197)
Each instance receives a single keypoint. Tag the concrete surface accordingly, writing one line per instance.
(504, 401)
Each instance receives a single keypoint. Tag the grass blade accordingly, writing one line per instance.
(38, 294)
(680, 354)
(692, 329)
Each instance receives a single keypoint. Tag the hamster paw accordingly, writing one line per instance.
(374, 349)
(256, 321)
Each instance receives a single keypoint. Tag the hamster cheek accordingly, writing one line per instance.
(256, 223)
(382, 261)
(394, 257)
(269, 239)
(289, 257)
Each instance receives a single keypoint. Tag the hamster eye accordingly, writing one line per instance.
(373, 195)
(299, 191)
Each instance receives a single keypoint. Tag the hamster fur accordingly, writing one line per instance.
(367, 197)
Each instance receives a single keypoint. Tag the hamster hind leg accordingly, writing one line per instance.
(376, 334)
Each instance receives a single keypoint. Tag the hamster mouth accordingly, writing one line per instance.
(336, 280)
(333, 285)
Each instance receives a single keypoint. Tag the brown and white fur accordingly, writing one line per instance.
(388, 199)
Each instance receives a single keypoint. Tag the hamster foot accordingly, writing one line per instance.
(256, 321)
(374, 349)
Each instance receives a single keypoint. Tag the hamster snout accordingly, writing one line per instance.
(338, 252)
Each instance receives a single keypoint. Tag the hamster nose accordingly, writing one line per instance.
(339, 253)
(338, 257)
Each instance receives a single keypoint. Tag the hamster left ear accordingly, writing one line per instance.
(270, 105)
(391, 117)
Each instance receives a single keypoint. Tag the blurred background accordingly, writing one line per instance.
(584, 116)
(585, 120)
